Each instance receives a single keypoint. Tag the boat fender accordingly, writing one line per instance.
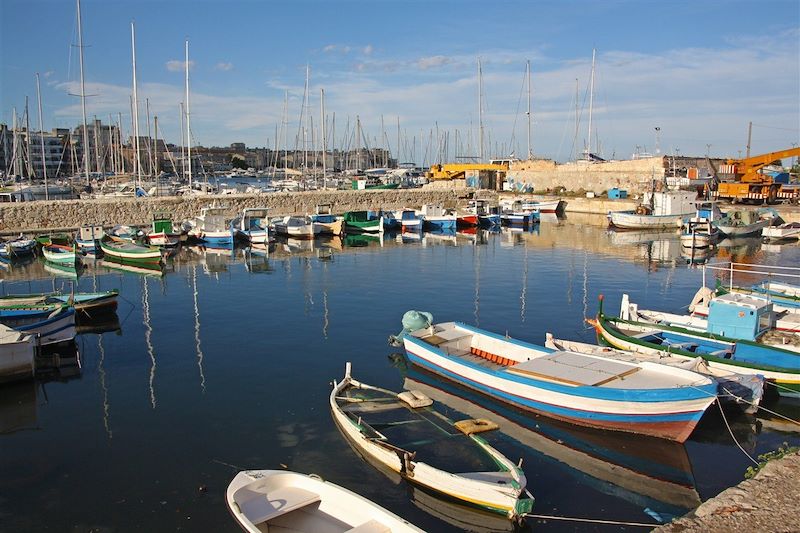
(702, 297)
(415, 399)
(477, 425)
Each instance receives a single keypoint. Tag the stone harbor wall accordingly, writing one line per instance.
(768, 502)
(582, 176)
(54, 215)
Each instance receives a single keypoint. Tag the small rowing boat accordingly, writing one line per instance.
(276, 500)
(402, 432)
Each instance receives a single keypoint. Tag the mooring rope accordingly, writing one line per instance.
(589, 520)
(730, 431)
(762, 408)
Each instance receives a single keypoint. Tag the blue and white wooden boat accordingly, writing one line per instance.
(89, 237)
(513, 214)
(637, 397)
(488, 215)
(390, 221)
(252, 226)
(210, 227)
(53, 326)
(410, 220)
(17, 247)
(435, 217)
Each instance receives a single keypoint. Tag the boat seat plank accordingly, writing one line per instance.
(574, 369)
(259, 507)
(371, 526)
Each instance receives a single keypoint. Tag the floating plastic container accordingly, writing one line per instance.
(617, 194)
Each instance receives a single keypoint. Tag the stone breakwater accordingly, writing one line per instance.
(43, 216)
(768, 502)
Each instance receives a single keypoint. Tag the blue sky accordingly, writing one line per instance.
(698, 70)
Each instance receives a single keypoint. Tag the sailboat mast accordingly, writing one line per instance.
(358, 142)
(83, 97)
(183, 144)
(398, 141)
(28, 158)
(324, 139)
(137, 158)
(285, 120)
(591, 104)
(155, 150)
(119, 138)
(530, 152)
(188, 115)
(41, 138)
(480, 112)
(149, 138)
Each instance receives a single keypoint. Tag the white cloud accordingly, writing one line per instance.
(175, 65)
(425, 63)
(225, 67)
(687, 92)
(341, 48)
(368, 50)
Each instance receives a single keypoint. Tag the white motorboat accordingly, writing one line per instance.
(280, 501)
(296, 226)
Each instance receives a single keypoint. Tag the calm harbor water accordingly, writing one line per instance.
(225, 361)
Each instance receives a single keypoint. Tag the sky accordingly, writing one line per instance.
(698, 71)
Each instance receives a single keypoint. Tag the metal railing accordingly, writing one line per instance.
(789, 274)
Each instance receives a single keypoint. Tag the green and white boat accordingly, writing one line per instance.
(130, 252)
(363, 222)
(60, 254)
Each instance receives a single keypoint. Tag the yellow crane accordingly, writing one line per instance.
(745, 181)
(452, 171)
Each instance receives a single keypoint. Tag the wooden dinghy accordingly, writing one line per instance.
(589, 390)
(81, 301)
(401, 432)
(130, 252)
(275, 500)
(630, 467)
(60, 254)
(53, 323)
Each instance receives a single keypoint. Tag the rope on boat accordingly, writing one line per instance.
(589, 520)
(784, 387)
(762, 408)
(730, 431)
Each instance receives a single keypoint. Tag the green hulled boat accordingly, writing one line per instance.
(780, 367)
(363, 222)
(129, 252)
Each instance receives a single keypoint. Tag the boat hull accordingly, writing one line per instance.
(17, 359)
(53, 330)
(748, 230)
(488, 221)
(630, 220)
(504, 499)
(672, 416)
(128, 252)
(439, 223)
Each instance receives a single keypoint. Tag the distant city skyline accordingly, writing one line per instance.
(700, 72)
